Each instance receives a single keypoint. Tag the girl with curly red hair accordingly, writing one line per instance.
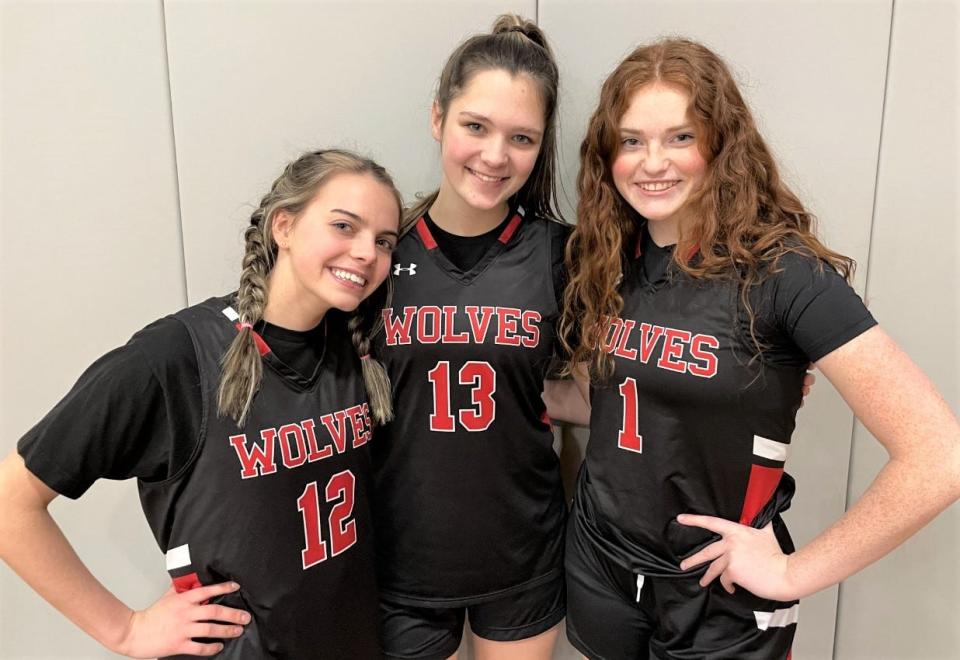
(698, 295)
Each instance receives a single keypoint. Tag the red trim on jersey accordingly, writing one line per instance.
(790, 654)
(186, 582)
(428, 240)
(545, 418)
(510, 229)
(262, 347)
(639, 250)
(763, 483)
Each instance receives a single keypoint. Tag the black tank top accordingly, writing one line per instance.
(469, 497)
(280, 505)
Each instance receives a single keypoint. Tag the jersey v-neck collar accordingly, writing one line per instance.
(281, 368)
(452, 270)
(639, 262)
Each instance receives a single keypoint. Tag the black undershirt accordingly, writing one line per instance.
(465, 252)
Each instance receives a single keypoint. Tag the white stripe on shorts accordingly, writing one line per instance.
(777, 618)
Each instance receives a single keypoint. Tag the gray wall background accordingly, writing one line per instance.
(136, 136)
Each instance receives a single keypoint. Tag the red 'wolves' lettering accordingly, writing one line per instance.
(673, 345)
(298, 441)
(430, 324)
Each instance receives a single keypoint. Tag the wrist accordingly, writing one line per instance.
(118, 634)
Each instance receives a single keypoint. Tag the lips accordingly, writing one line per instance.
(349, 277)
(486, 178)
(657, 186)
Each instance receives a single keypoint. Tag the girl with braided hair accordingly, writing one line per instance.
(246, 421)
(470, 506)
(698, 295)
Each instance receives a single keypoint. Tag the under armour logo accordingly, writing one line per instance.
(411, 269)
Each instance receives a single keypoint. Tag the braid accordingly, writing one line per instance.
(291, 193)
(242, 369)
(375, 376)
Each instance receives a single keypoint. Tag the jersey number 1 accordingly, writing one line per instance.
(483, 381)
(343, 528)
(628, 438)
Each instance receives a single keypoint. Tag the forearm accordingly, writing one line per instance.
(902, 499)
(565, 402)
(33, 545)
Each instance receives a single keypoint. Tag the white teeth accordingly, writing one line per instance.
(350, 277)
(484, 177)
(657, 186)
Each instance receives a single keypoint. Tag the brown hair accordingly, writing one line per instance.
(742, 217)
(291, 193)
(516, 46)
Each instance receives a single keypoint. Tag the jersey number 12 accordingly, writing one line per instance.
(343, 528)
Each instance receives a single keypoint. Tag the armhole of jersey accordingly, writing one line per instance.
(550, 273)
(202, 432)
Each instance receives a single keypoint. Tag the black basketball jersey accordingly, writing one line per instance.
(687, 423)
(281, 505)
(469, 497)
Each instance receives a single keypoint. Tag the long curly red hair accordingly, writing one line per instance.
(742, 217)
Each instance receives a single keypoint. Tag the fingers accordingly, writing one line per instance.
(196, 648)
(709, 553)
(716, 525)
(726, 582)
(214, 630)
(203, 594)
(222, 613)
(715, 569)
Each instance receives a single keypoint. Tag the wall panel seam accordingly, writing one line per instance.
(866, 285)
(173, 146)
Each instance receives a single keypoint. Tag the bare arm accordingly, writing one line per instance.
(898, 404)
(36, 549)
(569, 400)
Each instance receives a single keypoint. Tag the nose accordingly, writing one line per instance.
(494, 152)
(364, 248)
(656, 160)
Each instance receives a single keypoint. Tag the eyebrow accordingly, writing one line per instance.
(672, 129)
(484, 118)
(356, 217)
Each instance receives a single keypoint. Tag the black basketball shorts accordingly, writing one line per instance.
(613, 614)
(434, 633)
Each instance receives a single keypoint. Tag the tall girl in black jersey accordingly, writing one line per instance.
(698, 293)
(470, 508)
(253, 475)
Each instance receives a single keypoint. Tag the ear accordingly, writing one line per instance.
(436, 121)
(281, 227)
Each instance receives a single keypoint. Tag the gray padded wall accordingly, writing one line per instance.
(281, 78)
(90, 253)
(812, 83)
(905, 605)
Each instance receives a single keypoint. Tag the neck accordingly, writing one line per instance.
(664, 232)
(455, 216)
(289, 308)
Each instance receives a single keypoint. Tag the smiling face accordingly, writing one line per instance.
(335, 253)
(658, 163)
(490, 138)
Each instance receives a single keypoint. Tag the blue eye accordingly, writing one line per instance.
(474, 127)
(523, 139)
